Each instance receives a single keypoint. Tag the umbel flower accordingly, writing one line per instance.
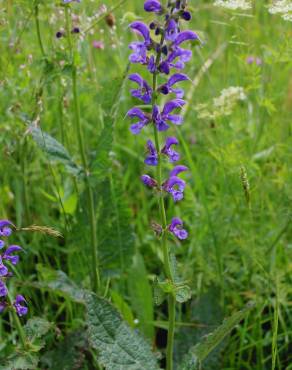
(164, 60)
(9, 256)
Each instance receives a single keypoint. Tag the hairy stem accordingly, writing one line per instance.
(89, 194)
(167, 266)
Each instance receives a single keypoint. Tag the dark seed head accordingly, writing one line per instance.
(152, 26)
(110, 20)
(76, 30)
(186, 16)
(59, 34)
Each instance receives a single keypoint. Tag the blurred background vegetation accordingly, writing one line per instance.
(237, 206)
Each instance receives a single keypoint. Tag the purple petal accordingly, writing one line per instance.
(3, 290)
(177, 170)
(137, 127)
(181, 234)
(152, 6)
(177, 77)
(176, 221)
(4, 223)
(171, 105)
(148, 181)
(185, 36)
(2, 306)
(2, 244)
(143, 29)
(136, 78)
(136, 112)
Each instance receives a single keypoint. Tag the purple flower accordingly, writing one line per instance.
(175, 186)
(3, 269)
(144, 93)
(70, 1)
(167, 150)
(172, 30)
(140, 48)
(185, 36)
(3, 290)
(177, 170)
(2, 244)
(5, 230)
(183, 56)
(21, 310)
(148, 181)
(168, 87)
(152, 158)
(176, 228)
(143, 120)
(160, 119)
(152, 6)
(8, 254)
(151, 64)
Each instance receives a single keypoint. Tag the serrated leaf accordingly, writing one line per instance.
(36, 327)
(183, 293)
(141, 295)
(119, 347)
(59, 282)
(200, 351)
(21, 362)
(54, 150)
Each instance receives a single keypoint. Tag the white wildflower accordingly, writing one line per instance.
(234, 4)
(282, 7)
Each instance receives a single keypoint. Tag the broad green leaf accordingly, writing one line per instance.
(183, 293)
(54, 150)
(59, 282)
(119, 347)
(199, 352)
(35, 329)
(141, 295)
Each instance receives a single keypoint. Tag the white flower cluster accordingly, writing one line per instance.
(234, 4)
(282, 7)
(223, 105)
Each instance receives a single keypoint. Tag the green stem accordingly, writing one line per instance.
(37, 23)
(89, 193)
(17, 323)
(167, 265)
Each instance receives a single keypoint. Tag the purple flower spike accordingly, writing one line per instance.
(2, 244)
(152, 158)
(152, 6)
(159, 120)
(175, 186)
(3, 269)
(174, 79)
(176, 228)
(185, 36)
(143, 29)
(144, 120)
(167, 150)
(148, 181)
(20, 309)
(177, 170)
(139, 53)
(144, 93)
(3, 290)
(8, 254)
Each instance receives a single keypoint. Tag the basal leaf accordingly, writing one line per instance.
(21, 362)
(200, 351)
(54, 150)
(119, 347)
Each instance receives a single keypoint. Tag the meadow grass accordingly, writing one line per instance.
(237, 205)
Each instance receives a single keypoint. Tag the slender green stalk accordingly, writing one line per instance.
(18, 325)
(89, 193)
(167, 266)
(37, 23)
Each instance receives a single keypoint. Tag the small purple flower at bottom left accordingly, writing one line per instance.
(21, 309)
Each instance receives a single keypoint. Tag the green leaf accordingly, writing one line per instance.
(21, 362)
(123, 308)
(116, 239)
(158, 293)
(60, 283)
(199, 352)
(35, 329)
(69, 353)
(119, 347)
(183, 293)
(141, 295)
(54, 150)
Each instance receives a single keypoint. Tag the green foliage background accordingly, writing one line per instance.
(237, 251)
